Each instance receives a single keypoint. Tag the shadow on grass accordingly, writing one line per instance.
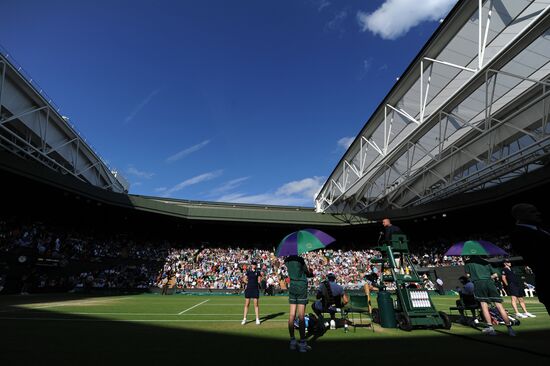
(270, 316)
(47, 337)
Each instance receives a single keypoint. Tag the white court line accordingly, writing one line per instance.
(153, 314)
(200, 314)
(239, 304)
(137, 314)
(134, 320)
(30, 311)
(192, 307)
(93, 301)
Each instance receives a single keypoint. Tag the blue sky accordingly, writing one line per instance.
(236, 101)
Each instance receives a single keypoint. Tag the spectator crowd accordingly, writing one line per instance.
(70, 259)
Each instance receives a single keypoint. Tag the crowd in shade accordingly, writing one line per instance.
(64, 244)
(62, 259)
(431, 253)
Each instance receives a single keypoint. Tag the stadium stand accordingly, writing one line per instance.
(64, 258)
(414, 162)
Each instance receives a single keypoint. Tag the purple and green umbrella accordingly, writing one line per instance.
(302, 241)
(475, 247)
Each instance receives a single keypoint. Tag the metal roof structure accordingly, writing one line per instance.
(32, 127)
(470, 112)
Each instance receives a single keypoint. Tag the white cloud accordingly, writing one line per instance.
(183, 153)
(160, 189)
(295, 193)
(345, 142)
(189, 182)
(229, 185)
(323, 4)
(305, 187)
(266, 199)
(395, 17)
(336, 23)
(132, 170)
(367, 64)
(140, 106)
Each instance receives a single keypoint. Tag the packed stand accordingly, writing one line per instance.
(224, 268)
(74, 260)
(47, 258)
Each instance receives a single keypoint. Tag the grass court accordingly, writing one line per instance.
(150, 329)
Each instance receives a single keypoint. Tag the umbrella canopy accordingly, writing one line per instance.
(302, 241)
(475, 247)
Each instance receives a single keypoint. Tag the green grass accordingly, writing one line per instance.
(154, 330)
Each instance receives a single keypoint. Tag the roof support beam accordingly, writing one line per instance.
(424, 96)
(522, 130)
(29, 148)
(404, 114)
(483, 45)
(518, 160)
(450, 64)
(541, 82)
(88, 167)
(337, 186)
(495, 136)
(3, 80)
(374, 146)
(353, 168)
(363, 149)
(461, 120)
(60, 146)
(27, 112)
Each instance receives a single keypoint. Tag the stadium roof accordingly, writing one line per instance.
(32, 127)
(191, 210)
(216, 211)
(470, 112)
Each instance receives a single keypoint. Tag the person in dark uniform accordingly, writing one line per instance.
(389, 230)
(515, 289)
(252, 279)
(532, 242)
(330, 296)
(467, 299)
(298, 272)
(482, 275)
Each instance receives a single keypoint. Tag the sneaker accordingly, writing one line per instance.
(293, 344)
(243, 322)
(258, 322)
(303, 347)
(332, 324)
(489, 331)
(529, 315)
(511, 332)
(520, 315)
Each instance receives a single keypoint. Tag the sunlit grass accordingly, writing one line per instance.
(143, 329)
(212, 313)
